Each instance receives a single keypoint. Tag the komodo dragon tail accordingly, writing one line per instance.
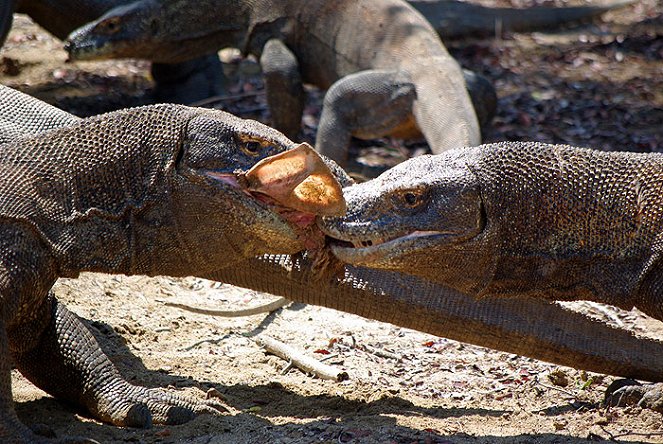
(528, 327)
(452, 18)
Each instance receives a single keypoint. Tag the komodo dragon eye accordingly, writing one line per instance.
(254, 147)
(110, 25)
(412, 198)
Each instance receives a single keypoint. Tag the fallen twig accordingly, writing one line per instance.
(214, 341)
(382, 353)
(266, 308)
(559, 389)
(301, 361)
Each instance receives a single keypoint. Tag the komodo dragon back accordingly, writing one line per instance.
(21, 114)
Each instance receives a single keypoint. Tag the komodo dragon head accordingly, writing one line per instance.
(169, 31)
(425, 217)
(249, 185)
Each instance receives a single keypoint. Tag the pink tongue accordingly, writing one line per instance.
(299, 218)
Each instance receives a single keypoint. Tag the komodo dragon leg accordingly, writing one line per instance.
(188, 82)
(10, 426)
(68, 363)
(371, 103)
(54, 350)
(284, 87)
(366, 105)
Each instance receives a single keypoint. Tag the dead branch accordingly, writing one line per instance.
(301, 361)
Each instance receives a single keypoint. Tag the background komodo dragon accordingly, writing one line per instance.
(450, 18)
(143, 191)
(195, 79)
(185, 82)
(385, 68)
(550, 222)
(532, 327)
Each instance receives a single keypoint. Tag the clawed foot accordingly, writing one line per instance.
(629, 392)
(128, 405)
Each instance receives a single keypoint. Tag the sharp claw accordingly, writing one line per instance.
(623, 392)
(629, 392)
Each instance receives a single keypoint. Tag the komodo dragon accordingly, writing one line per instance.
(185, 82)
(450, 18)
(386, 70)
(532, 327)
(151, 190)
(548, 222)
(191, 80)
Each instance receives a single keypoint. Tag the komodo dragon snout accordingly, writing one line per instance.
(400, 218)
(108, 29)
(156, 28)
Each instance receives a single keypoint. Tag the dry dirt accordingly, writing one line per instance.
(597, 85)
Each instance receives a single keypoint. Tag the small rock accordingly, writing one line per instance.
(559, 378)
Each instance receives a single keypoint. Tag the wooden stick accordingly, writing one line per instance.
(301, 361)
(266, 308)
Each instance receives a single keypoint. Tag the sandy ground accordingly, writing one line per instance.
(596, 85)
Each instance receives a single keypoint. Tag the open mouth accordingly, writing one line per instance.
(300, 219)
(295, 184)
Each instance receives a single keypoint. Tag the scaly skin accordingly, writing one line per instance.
(531, 327)
(143, 191)
(406, 83)
(450, 18)
(21, 114)
(530, 220)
